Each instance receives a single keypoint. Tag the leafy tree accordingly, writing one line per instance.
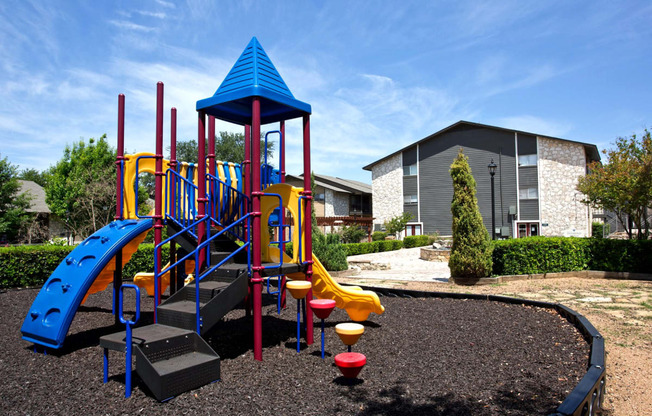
(13, 206)
(229, 147)
(353, 234)
(623, 184)
(471, 250)
(397, 224)
(32, 175)
(81, 187)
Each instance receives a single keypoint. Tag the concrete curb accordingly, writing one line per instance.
(583, 274)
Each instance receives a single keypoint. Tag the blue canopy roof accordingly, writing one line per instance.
(253, 75)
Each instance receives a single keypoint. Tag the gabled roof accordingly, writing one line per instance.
(253, 75)
(338, 184)
(591, 149)
(36, 193)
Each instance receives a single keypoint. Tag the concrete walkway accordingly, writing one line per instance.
(403, 264)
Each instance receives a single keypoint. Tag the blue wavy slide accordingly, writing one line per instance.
(55, 306)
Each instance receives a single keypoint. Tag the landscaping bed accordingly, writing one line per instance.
(425, 356)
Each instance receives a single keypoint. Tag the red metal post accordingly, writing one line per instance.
(308, 223)
(119, 206)
(256, 267)
(246, 178)
(281, 151)
(201, 186)
(211, 161)
(281, 166)
(158, 189)
(211, 145)
(172, 196)
(246, 163)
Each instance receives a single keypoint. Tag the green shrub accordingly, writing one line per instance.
(29, 265)
(333, 238)
(621, 255)
(355, 249)
(378, 235)
(533, 255)
(471, 251)
(353, 234)
(32, 265)
(333, 257)
(417, 241)
(599, 229)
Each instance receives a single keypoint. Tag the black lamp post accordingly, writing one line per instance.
(492, 171)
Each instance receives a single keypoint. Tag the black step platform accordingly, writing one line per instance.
(177, 364)
(141, 335)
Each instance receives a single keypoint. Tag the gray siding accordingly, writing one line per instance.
(412, 209)
(409, 185)
(480, 146)
(529, 209)
(528, 177)
(410, 156)
(527, 144)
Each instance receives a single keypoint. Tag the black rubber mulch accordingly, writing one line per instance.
(425, 356)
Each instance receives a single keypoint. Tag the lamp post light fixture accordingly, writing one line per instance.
(492, 171)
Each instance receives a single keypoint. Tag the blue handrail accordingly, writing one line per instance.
(184, 214)
(129, 324)
(209, 270)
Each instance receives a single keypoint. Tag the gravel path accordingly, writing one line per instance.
(425, 356)
(402, 265)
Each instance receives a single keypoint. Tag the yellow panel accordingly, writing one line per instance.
(357, 303)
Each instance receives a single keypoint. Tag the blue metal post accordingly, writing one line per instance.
(128, 339)
(298, 325)
(323, 325)
(106, 365)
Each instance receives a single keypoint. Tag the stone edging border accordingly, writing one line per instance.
(588, 396)
(583, 274)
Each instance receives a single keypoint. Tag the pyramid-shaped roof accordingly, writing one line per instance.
(253, 75)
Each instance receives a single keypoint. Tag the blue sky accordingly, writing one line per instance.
(378, 74)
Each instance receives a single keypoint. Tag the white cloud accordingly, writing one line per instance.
(122, 24)
(538, 125)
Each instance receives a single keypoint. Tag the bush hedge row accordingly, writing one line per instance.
(564, 254)
(23, 266)
(32, 265)
(373, 247)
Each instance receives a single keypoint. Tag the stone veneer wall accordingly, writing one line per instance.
(328, 203)
(387, 189)
(341, 204)
(561, 163)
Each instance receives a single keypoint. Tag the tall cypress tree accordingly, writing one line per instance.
(471, 250)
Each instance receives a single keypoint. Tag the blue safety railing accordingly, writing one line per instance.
(185, 210)
(199, 277)
(225, 204)
(269, 175)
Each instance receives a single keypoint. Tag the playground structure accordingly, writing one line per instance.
(218, 215)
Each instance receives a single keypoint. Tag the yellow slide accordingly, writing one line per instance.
(105, 277)
(357, 303)
(145, 280)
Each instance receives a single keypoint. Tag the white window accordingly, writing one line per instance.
(527, 160)
(410, 170)
(410, 199)
(528, 193)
